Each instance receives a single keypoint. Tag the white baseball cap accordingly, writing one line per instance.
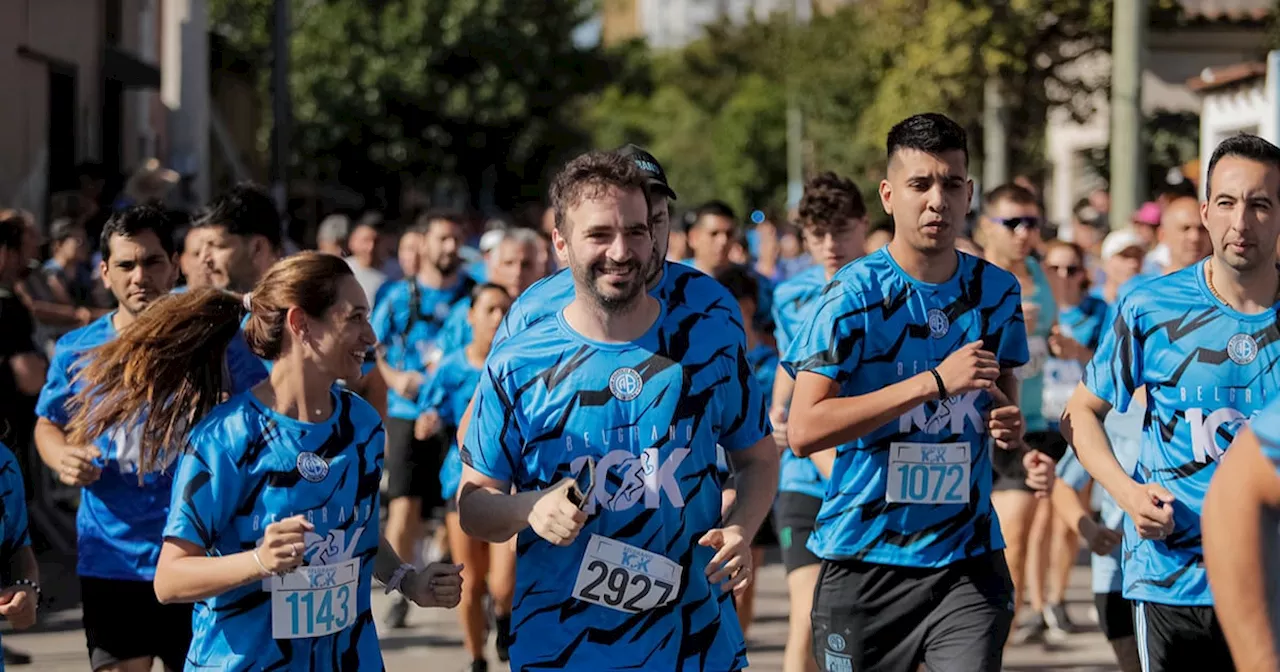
(1119, 241)
(491, 239)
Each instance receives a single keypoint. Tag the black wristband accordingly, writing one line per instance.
(942, 387)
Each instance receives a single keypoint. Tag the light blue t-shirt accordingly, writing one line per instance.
(1207, 369)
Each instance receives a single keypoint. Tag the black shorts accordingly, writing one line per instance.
(1007, 464)
(413, 466)
(883, 618)
(793, 516)
(1180, 638)
(123, 620)
(1115, 615)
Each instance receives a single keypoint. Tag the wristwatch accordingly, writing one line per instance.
(33, 585)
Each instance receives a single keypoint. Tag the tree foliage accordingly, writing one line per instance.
(437, 89)
(854, 73)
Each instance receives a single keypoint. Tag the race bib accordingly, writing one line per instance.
(928, 473)
(625, 578)
(1038, 349)
(1061, 376)
(314, 601)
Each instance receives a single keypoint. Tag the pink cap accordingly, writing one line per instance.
(1148, 214)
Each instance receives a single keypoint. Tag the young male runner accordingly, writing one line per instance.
(407, 319)
(1203, 344)
(905, 356)
(624, 398)
(833, 222)
(122, 513)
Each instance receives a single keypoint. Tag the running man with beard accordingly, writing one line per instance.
(407, 320)
(618, 386)
(906, 366)
(1204, 346)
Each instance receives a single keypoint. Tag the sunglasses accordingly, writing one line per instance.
(1012, 223)
(1065, 271)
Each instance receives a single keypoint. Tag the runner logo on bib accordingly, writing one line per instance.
(314, 601)
(625, 578)
(928, 473)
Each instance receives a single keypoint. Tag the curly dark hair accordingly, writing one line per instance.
(829, 199)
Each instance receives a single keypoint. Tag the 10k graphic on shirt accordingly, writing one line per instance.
(247, 467)
(649, 414)
(1207, 369)
(875, 325)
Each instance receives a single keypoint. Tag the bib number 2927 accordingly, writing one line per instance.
(625, 578)
(928, 473)
(314, 601)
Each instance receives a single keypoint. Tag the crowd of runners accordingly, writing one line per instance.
(583, 436)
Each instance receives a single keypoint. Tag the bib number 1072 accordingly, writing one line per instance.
(922, 473)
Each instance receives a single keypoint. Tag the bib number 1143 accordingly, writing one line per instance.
(928, 473)
(314, 601)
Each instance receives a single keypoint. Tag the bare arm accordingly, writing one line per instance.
(822, 419)
(1082, 428)
(185, 573)
(73, 464)
(1245, 483)
(55, 314)
(29, 370)
(487, 510)
(23, 565)
(756, 481)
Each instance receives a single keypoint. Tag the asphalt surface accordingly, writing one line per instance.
(432, 640)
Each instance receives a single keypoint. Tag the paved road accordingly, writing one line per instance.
(432, 640)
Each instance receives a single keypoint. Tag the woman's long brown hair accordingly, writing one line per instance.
(165, 371)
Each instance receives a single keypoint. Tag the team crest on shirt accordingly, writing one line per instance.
(835, 642)
(626, 384)
(939, 324)
(312, 467)
(1242, 349)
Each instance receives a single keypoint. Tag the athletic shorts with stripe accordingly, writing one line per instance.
(1172, 639)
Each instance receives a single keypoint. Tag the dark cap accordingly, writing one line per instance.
(650, 167)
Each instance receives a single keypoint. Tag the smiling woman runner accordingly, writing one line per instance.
(273, 529)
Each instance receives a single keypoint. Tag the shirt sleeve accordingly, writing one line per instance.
(831, 341)
(1009, 329)
(383, 313)
(14, 498)
(204, 497)
(245, 368)
(431, 396)
(743, 408)
(494, 444)
(52, 403)
(1115, 372)
(1071, 472)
